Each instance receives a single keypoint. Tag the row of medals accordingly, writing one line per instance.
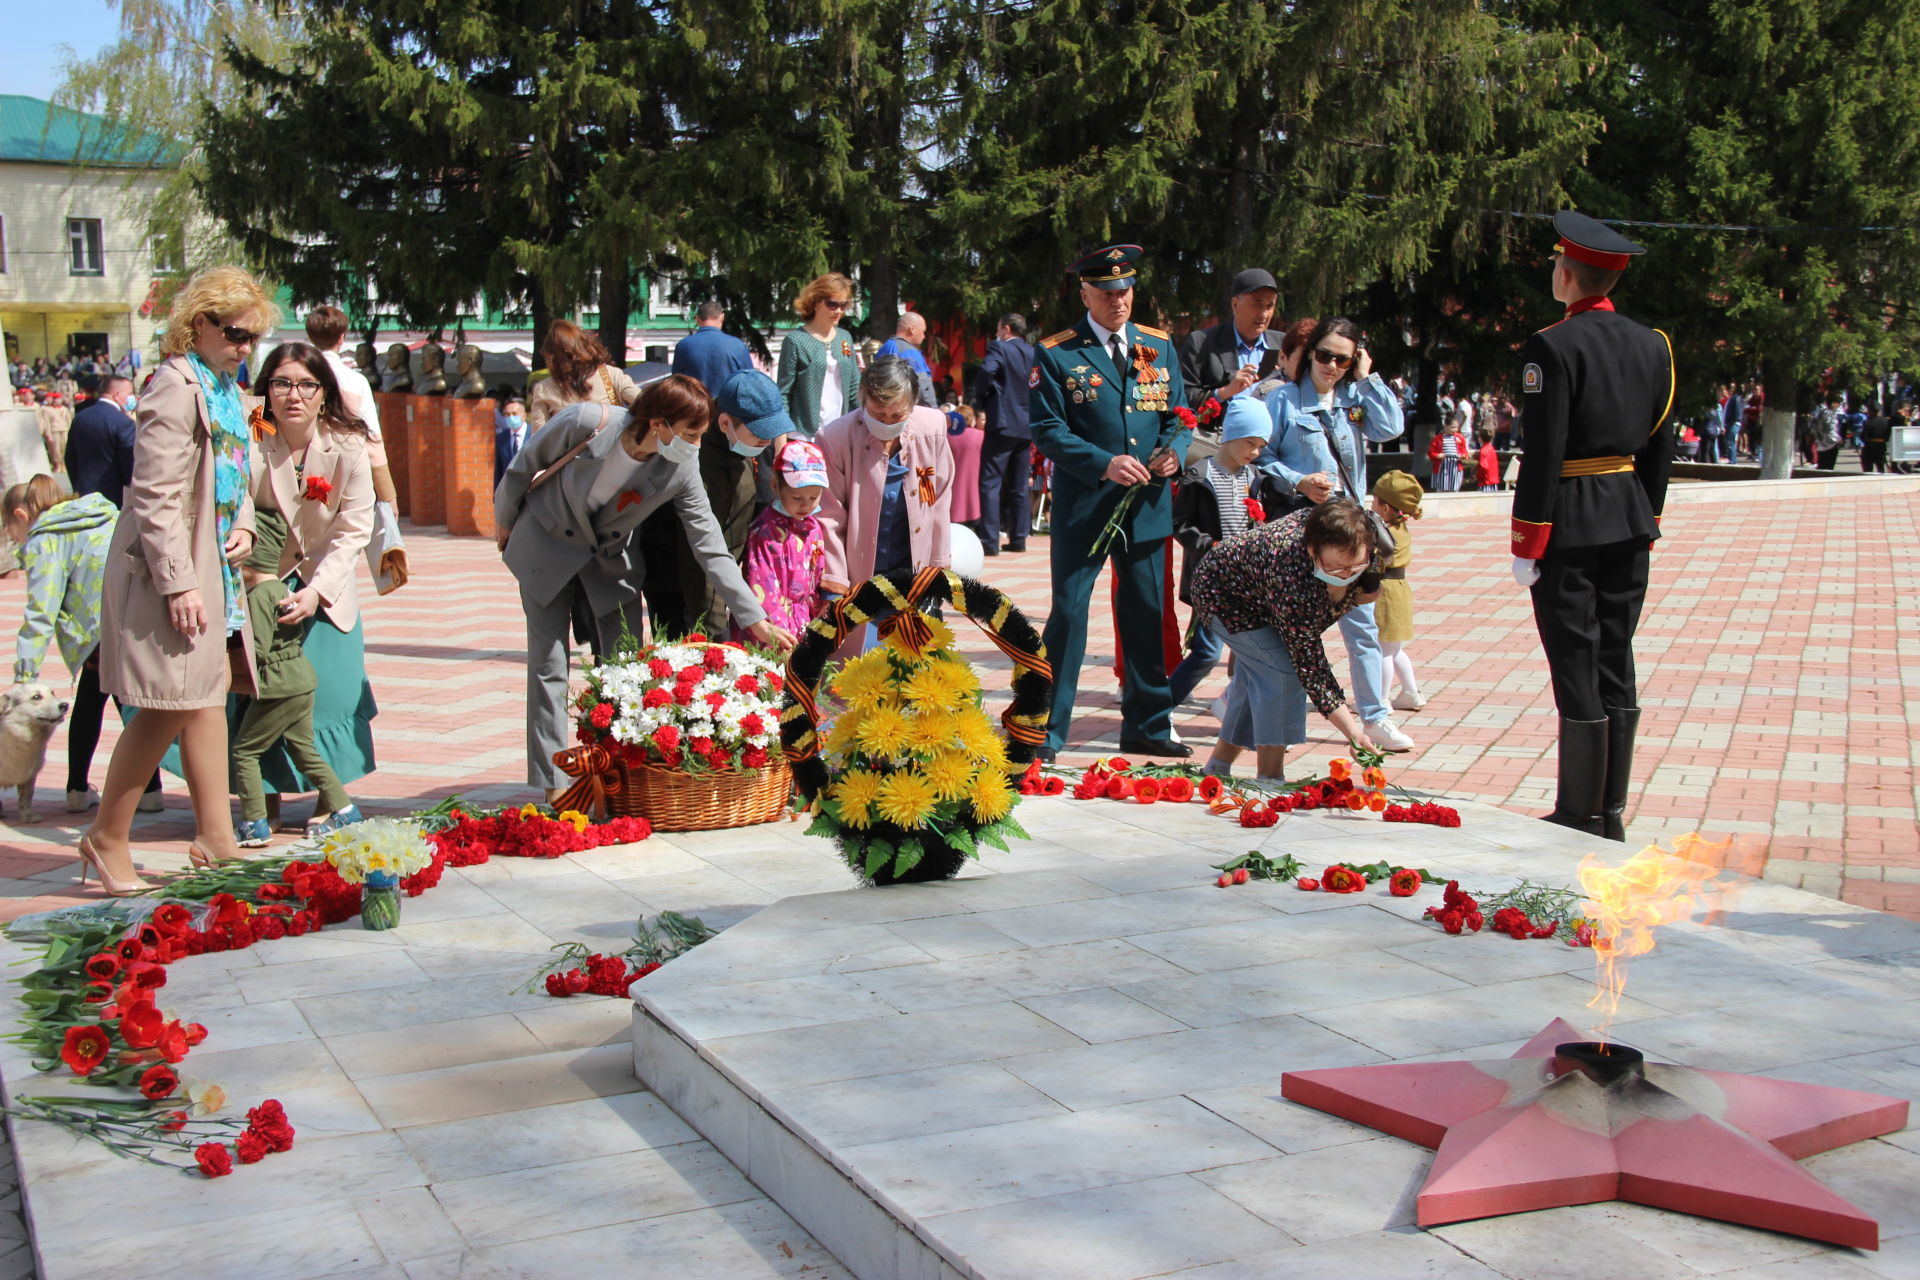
(1149, 397)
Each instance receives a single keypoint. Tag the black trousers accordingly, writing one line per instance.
(1005, 464)
(1873, 456)
(1587, 607)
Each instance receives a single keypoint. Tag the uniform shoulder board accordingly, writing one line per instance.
(1161, 334)
(1055, 339)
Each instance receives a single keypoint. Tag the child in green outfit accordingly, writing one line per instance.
(283, 708)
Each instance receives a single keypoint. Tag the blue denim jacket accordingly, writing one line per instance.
(1304, 439)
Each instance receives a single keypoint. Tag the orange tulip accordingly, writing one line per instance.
(1377, 801)
(1339, 770)
(1374, 778)
(1356, 800)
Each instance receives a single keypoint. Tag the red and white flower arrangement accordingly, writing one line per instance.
(690, 704)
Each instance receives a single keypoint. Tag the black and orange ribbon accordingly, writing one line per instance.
(261, 425)
(926, 485)
(600, 776)
(893, 602)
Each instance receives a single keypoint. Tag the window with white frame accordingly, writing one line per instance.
(86, 253)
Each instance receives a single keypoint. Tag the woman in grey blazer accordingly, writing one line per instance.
(571, 531)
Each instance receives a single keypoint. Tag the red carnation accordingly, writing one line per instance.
(698, 637)
(715, 658)
(752, 725)
(659, 668)
(656, 698)
(774, 679)
(667, 737)
(690, 674)
(602, 715)
(747, 684)
(1255, 512)
(214, 1159)
(85, 1048)
(754, 757)
(250, 1147)
(318, 490)
(1185, 415)
(158, 1081)
(700, 745)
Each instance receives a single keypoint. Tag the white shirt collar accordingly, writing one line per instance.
(1104, 335)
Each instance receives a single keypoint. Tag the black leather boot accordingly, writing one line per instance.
(1583, 776)
(1622, 724)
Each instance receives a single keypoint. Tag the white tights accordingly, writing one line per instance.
(1394, 662)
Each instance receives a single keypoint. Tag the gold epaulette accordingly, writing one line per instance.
(1161, 334)
(1054, 340)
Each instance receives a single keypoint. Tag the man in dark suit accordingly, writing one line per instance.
(509, 434)
(713, 356)
(1225, 360)
(1104, 411)
(99, 455)
(1597, 389)
(1000, 393)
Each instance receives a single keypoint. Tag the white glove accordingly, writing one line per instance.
(1526, 572)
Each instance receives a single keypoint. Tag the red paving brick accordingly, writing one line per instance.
(1779, 666)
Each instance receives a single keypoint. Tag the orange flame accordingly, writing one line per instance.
(1652, 888)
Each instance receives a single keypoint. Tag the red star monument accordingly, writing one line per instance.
(1558, 1125)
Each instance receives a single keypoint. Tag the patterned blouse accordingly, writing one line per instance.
(783, 563)
(1264, 578)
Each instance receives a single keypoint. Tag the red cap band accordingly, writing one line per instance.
(1593, 257)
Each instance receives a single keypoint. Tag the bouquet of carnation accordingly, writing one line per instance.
(689, 704)
(378, 850)
(920, 775)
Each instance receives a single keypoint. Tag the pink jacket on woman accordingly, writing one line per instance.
(856, 480)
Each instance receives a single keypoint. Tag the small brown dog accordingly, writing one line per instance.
(29, 712)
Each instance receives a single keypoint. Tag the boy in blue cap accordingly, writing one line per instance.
(1218, 498)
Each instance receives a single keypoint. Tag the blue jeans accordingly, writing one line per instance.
(1362, 634)
(1203, 655)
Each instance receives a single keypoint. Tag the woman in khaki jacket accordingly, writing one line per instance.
(579, 371)
(174, 637)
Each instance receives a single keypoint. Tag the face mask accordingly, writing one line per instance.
(885, 430)
(677, 449)
(753, 450)
(1332, 581)
(132, 403)
(515, 422)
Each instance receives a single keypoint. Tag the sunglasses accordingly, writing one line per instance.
(1325, 356)
(831, 305)
(235, 334)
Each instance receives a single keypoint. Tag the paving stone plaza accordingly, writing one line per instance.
(1066, 1063)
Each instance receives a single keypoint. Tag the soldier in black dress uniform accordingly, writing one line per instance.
(1596, 391)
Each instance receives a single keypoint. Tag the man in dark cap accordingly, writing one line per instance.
(1596, 389)
(1106, 406)
(1227, 359)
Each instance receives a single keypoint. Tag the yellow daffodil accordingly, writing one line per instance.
(906, 799)
(854, 793)
(577, 818)
(205, 1097)
(993, 796)
(951, 775)
(529, 810)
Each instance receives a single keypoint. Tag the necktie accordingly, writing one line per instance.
(1118, 351)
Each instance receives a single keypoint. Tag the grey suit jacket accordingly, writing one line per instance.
(554, 537)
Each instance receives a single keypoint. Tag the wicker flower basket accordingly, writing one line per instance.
(675, 800)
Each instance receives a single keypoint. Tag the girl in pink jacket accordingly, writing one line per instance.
(786, 547)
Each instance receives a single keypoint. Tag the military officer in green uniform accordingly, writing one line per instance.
(1596, 389)
(1104, 410)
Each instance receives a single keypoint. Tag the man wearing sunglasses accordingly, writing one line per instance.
(1596, 388)
(1105, 395)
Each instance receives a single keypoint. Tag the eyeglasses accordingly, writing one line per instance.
(1325, 356)
(831, 305)
(305, 390)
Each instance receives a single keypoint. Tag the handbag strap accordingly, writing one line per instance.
(548, 473)
(606, 381)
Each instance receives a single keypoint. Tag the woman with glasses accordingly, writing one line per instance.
(818, 372)
(174, 639)
(1319, 422)
(313, 467)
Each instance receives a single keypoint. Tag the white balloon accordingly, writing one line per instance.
(968, 557)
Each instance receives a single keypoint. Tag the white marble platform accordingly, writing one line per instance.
(448, 1127)
(1071, 1069)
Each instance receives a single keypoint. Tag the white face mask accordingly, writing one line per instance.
(1331, 580)
(677, 449)
(883, 430)
(132, 403)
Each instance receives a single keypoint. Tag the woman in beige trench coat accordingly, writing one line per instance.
(174, 640)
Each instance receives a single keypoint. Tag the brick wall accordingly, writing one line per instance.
(394, 433)
(468, 467)
(426, 453)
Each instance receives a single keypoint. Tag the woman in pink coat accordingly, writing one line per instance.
(889, 482)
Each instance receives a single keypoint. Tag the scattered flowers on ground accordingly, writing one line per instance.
(575, 971)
